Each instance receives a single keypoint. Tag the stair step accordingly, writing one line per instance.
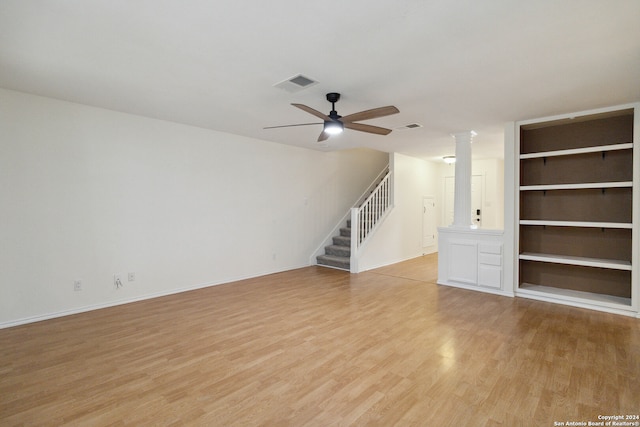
(337, 250)
(346, 232)
(334, 261)
(342, 241)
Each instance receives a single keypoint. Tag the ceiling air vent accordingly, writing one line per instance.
(409, 126)
(296, 83)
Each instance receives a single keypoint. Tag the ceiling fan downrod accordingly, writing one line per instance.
(333, 97)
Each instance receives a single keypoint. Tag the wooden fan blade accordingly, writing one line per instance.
(367, 128)
(310, 110)
(323, 136)
(289, 126)
(370, 114)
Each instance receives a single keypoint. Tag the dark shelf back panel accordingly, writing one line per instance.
(608, 243)
(578, 133)
(577, 278)
(591, 205)
(608, 166)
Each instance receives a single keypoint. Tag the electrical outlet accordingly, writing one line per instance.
(117, 281)
(77, 285)
(132, 277)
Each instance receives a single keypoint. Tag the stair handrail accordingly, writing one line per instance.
(366, 217)
(369, 190)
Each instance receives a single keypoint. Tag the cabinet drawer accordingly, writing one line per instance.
(489, 259)
(488, 248)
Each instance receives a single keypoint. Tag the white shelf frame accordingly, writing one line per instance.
(612, 264)
(573, 151)
(580, 186)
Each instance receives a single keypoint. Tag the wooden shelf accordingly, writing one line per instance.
(573, 260)
(549, 292)
(577, 224)
(579, 186)
(596, 149)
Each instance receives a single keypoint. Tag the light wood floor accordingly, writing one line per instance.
(322, 347)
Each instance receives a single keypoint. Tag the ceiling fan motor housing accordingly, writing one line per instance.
(333, 97)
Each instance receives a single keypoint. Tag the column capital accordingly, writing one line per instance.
(464, 136)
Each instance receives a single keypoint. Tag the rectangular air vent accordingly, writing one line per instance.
(296, 83)
(409, 126)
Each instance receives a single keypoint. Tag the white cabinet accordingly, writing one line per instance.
(577, 209)
(471, 259)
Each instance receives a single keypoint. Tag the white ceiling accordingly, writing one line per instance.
(449, 65)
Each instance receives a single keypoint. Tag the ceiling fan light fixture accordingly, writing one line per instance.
(333, 127)
(449, 159)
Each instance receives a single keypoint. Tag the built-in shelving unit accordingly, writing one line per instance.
(576, 227)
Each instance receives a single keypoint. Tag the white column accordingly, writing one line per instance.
(462, 196)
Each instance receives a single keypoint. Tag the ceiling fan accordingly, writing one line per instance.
(335, 124)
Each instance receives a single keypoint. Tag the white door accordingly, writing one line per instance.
(428, 222)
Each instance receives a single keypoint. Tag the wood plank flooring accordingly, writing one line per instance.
(322, 347)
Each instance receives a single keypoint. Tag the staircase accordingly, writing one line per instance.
(338, 255)
(370, 209)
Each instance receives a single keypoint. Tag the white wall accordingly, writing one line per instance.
(492, 172)
(399, 237)
(86, 193)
